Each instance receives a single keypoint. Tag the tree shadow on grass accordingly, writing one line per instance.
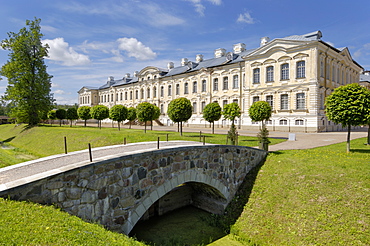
(8, 140)
(363, 151)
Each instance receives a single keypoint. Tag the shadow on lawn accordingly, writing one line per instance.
(8, 140)
(363, 151)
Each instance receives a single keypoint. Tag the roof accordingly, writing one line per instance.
(312, 36)
(365, 77)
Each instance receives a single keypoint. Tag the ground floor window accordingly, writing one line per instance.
(283, 122)
(299, 122)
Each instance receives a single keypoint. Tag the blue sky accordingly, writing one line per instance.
(91, 40)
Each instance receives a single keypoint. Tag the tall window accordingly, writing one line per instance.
(226, 83)
(203, 106)
(130, 95)
(177, 89)
(154, 91)
(235, 101)
(126, 95)
(148, 93)
(215, 84)
(301, 69)
(162, 109)
(285, 71)
(270, 74)
(142, 93)
(121, 96)
(194, 107)
(204, 86)
(117, 96)
(284, 102)
(235, 82)
(256, 76)
(270, 100)
(301, 101)
(162, 91)
(186, 88)
(136, 94)
(195, 85)
(169, 90)
(224, 102)
(255, 99)
(321, 68)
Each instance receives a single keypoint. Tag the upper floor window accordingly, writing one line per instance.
(270, 74)
(215, 84)
(301, 101)
(224, 102)
(203, 106)
(204, 86)
(301, 69)
(148, 93)
(285, 71)
(284, 103)
(235, 82)
(169, 90)
(154, 91)
(177, 89)
(321, 68)
(270, 100)
(256, 76)
(235, 101)
(162, 109)
(186, 88)
(142, 93)
(162, 91)
(126, 95)
(226, 83)
(255, 99)
(130, 95)
(194, 107)
(195, 85)
(136, 94)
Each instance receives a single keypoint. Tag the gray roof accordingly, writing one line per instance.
(312, 36)
(365, 77)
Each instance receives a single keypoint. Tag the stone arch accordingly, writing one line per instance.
(185, 177)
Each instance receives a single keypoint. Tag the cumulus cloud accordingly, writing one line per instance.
(245, 18)
(199, 6)
(135, 48)
(363, 51)
(61, 92)
(60, 51)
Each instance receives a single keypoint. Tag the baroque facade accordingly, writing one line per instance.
(293, 74)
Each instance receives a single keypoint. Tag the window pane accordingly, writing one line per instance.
(270, 74)
(256, 76)
(301, 69)
(284, 102)
(215, 84)
(195, 87)
(204, 86)
(301, 102)
(270, 100)
(285, 71)
(235, 82)
(226, 83)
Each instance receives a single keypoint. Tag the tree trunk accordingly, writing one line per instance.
(178, 127)
(213, 127)
(368, 135)
(181, 128)
(349, 139)
(71, 124)
(130, 123)
(151, 125)
(145, 128)
(85, 123)
(119, 129)
(60, 122)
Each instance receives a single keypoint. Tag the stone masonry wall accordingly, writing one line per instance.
(117, 192)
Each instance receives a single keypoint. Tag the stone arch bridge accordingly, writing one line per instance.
(120, 189)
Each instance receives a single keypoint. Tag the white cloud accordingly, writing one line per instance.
(246, 18)
(200, 8)
(49, 29)
(60, 51)
(363, 51)
(61, 92)
(135, 48)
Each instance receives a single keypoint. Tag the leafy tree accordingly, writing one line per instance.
(52, 115)
(118, 113)
(212, 113)
(349, 105)
(145, 112)
(99, 112)
(180, 110)
(60, 114)
(29, 85)
(157, 113)
(261, 111)
(231, 111)
(131, 114)
(72, 114)
(84, 113)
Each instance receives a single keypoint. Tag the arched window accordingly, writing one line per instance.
(299, 122)
(235, 82)
(270, 74)
(195, 85)
(283, 122)
(162, 91)
(256, 76)
(154, 91)
(177, 89)
(225, 83)
(285, 71)
(301, 69)
(215, 84)
(142, 93)
(169, 90)
(204, 86)
(148, 93)
(186, 88)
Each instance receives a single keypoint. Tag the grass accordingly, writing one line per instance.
(49, 140)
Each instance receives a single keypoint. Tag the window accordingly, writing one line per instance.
(283, 122)
(162, 91)
(235, 101)
(136, 94)
(177, 89)
(215, 84)
(195, 87)
(121, 96)
(117, 96)
(130, 95)
(255, 99)
(321, 68)
(162, 109)
(203, 105)
(301, 67)
(169, 90)
(299, 122)
(235, 82)
(148, 93)
(224, 102)
(226, 83)
(204, 86)
(186, 88)
(256, 76)
(126, 95)
(194, 107)
(285, 71)
(270, 74)
(284, 102)
(301, 102)
(142, 93)
(270, 100)
(154, 91)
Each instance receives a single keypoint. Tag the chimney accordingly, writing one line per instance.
(220, 52)
(110, 78)
(238, 48)
(264, 41)
(127, 75)
(199, 58)
(184, 61)
(136, 73)
(170, 65)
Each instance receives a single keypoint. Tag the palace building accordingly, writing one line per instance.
(293, 74)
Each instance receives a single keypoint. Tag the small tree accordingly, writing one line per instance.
(118, 113)
(261, 111)
(131, 114)
(157, 113)
(212, 113)
(52, 115)
(231, 111)
(349, 105)
(145, 112)
(180, 110)
(61, 115)
(72, 115)
(84, 113)
(99, 112)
